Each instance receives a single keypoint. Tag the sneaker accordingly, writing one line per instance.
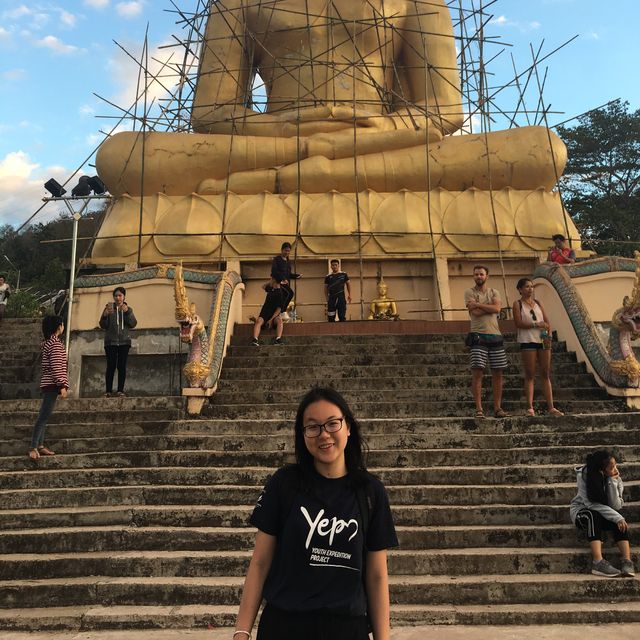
(108, 394)
(254, 343)
(278, 341)
(627, 569)
(605, 569)
(121, 394)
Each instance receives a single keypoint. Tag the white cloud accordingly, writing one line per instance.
(504, 21)
(16, 166)
(86, 110)
(56, 45)
(500, 20)
(97, 4)
(68, 19)
(162, 62)
(129, 9)
(14, 74)
(22, 188)
(19, 12)
(5, 35)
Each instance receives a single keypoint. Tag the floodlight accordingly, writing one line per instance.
(97, 185)
(83, 188)
(54, 188)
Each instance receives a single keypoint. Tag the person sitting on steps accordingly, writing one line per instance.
(596, 509)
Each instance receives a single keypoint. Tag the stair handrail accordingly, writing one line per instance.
(207, 344)
(616, 364)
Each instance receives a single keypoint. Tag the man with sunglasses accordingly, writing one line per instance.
(485, 340)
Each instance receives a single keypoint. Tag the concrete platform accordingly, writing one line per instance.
(543, 632)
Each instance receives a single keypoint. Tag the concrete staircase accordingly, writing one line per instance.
(140, 520)
(20, 340)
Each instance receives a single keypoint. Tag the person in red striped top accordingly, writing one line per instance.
(54, 381)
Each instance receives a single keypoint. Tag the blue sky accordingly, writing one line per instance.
(55, 54)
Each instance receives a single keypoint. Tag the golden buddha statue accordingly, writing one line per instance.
(383, 307)
(356, 141)
(360, 95)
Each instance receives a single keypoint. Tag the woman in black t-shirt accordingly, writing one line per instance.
(324, 526)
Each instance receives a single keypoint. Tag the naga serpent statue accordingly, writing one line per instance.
(625, 327)
(192, 332)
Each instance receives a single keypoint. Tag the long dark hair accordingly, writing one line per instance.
(355, 451)
(593, 472)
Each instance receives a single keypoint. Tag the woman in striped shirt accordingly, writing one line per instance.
(54, 381)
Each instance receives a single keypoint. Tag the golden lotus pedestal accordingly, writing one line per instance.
(406, 235)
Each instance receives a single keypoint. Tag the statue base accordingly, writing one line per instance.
(205, 229)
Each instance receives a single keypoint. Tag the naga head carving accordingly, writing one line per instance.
(627, 317)
(186, 314)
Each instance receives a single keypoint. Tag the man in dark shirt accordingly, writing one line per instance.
(334, 286)
(270, 314)
(282, 274)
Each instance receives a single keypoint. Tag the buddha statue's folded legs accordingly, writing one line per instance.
(178, 164)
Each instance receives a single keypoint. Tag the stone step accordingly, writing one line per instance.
(351, 350)
(224, 397)
(114, 405)
(408, 590)
(455, 407)
(149, 445)
(574, 621)
(241, 339)
(165, 494)
(208, 563)
(119, 538)
(415, 469)
(197, 515)
(462, 380)
(342, 370)
(370, 359)
(115, 417)
(9, 390)
(458, 426)
(386, 451)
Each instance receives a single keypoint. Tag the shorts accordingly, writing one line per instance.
(267, 311)
(480, 356)
(595, 526)
(531, 346)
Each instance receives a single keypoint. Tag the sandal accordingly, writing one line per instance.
(479, 413)
(530, 412)
(555, 412)
(500, 413)
(33, 454)
(43, 451)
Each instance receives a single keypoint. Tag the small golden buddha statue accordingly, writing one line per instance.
(383, 307)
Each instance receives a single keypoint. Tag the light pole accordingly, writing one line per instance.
(15, 269)
(72, 275)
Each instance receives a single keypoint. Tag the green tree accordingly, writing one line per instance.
(42, 252)
(601, 184)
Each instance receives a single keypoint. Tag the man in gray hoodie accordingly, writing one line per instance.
(116, 319)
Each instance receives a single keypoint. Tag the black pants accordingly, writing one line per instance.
(287, 297)
(116, 359)
(595, 526)
(276, 624)
(337, 304)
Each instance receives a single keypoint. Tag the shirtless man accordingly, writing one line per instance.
(359, 95)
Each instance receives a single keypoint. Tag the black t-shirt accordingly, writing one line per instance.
(318, 559)
(335, 283)
(274, 299)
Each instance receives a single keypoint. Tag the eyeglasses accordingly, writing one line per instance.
(330, 426)
(533, 315)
